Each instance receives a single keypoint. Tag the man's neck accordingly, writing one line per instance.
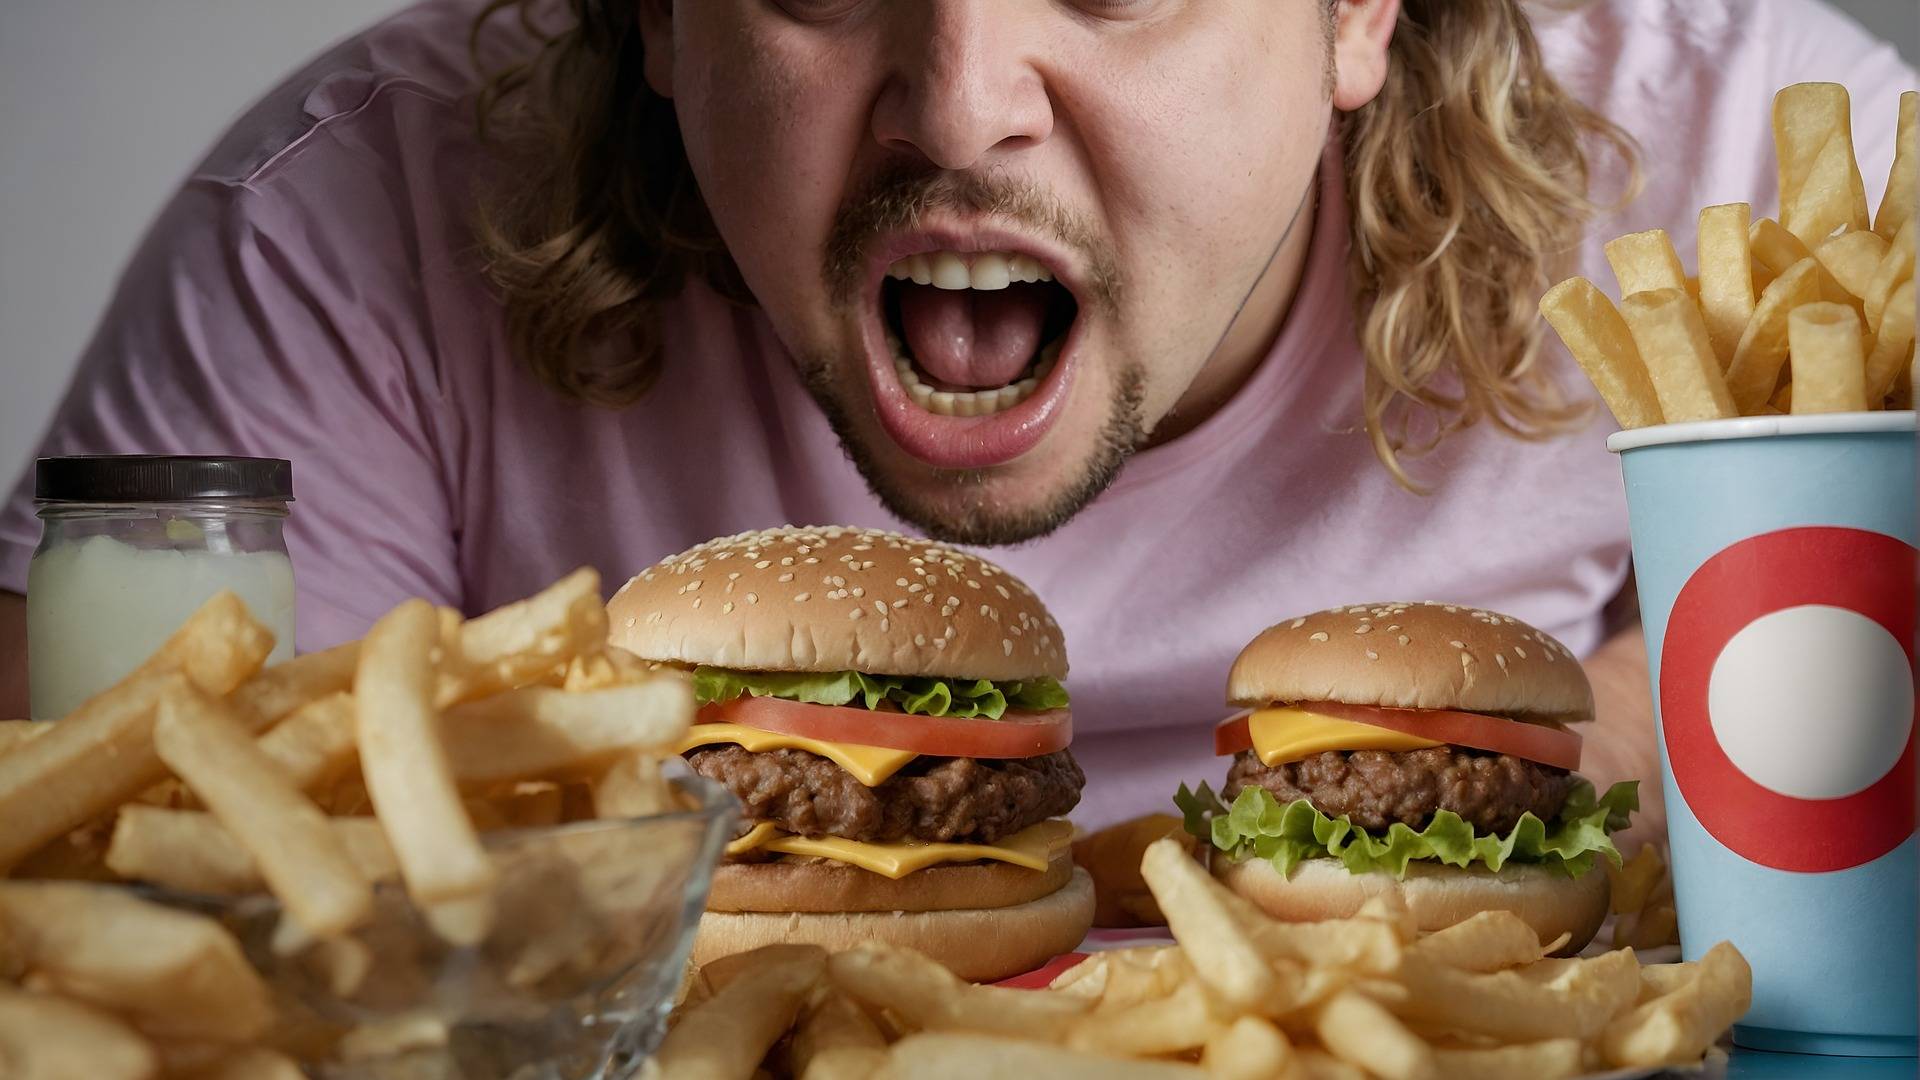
(1250, 337)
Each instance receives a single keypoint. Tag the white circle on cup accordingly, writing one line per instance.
(1813, 702)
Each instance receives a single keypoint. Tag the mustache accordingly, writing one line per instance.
(898, 198)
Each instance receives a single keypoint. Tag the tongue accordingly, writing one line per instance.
(973, 339)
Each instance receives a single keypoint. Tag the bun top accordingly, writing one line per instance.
(1426, 655)
(838, 599)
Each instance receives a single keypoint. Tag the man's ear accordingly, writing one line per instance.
(656, 37)
(1362, 33)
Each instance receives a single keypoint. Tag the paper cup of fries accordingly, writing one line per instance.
(1776, 572)
(1769, 461)
(448, 850)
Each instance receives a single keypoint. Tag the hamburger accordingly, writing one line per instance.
(1419, 749)
(890, 714)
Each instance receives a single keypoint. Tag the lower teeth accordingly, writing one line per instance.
(977, 402)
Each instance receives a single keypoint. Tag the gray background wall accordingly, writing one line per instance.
(105, 103)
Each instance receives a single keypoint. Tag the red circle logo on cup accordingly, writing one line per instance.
(1787, 697)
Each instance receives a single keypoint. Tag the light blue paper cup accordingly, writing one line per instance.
(1776, 567)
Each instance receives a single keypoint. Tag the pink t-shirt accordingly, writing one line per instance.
(311, 294)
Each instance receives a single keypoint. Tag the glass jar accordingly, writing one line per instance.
(130, 546)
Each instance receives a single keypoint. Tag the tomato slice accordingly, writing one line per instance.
(1534, 742)
(1016, 734)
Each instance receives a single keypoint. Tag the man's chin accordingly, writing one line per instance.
(1010, 504)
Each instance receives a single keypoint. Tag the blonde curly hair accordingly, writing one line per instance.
(1467, 181)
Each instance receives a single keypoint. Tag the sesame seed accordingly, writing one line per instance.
(1002, 590)
(898, 604)
(920, 640)
(1519, 652)
(785, 561)
(883, 626)
(753, 598)
(694, 585)
(1006, 646)
(902, 582)
(802, 598)
(1458, 644)
(916, 587)
(1318, 635)
(810, 561)
(1363, 628)
(880, 606)
(939, 643)
(859, 592)
(1395, 626)
(726, 608)
(1404, 639)
(972, 584)
(855, 613)
(1371, 655)
(783, 578)
(629, 622)
(1501, 659)
(696, 603)
(1298, 623)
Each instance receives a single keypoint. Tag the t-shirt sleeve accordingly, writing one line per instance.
(236, 330)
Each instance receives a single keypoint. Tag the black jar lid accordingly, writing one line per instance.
(143, 478)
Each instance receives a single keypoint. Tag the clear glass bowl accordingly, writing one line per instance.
(594, 923)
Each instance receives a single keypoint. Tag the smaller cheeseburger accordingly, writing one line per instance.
(1421, 749)
(889, 713)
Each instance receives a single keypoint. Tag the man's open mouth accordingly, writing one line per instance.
(977, 352)
(973, 335)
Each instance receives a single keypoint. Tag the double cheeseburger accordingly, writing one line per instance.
(1422, 749)
(889, 713)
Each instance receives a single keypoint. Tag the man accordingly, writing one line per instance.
(717, 263)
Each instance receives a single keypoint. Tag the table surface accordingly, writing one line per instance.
(1758, 1065)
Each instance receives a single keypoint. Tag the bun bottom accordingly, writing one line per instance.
(1438, 895)
(978, 944)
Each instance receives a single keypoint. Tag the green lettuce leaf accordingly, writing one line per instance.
(916, 695)
(1258, 826)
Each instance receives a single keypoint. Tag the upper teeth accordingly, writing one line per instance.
(985, 270)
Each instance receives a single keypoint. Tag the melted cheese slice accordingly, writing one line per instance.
(871, 765)
(1033, 848)
(1282, 734)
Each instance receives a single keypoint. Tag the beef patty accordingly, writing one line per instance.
(974, 800)
(1375, 788)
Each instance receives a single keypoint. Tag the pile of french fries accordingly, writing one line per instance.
(1813, 313)
(319, 781)
(1642, 905)
(1239, 997)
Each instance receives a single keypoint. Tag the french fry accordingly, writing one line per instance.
(1894, 269)
(1364, 946)
(931, 998)
(1774, 247)
(725, 1037)
(315, 746)
(1726, 275)
(1184, 1020)
(1320, 1065)
(393, 1037)
(610, 666)
(1551, 1059)
(1207, 927)
(1598, 338)
(1893, 349)
(48, 1038)
(1487, 941)
(1578, 1001)
(102, 755)
(303, 863)
(1853, 258)
(1632, 881)
(1903, 180)
(1645, 262)
(543, 732)
(1118, 978)
(516, 644)
(409, 779)
(1672, 340)
(252, 1063)
(1359, 1030)
(1762, 351)
(1821, 189)
(1679, 1026)
(277, 692)
(970, 1057)
(15, 732)
(1248, 1049)
(837, 1040)
(632, 787)
(190, 851)
(1829, 366)
(173, 973)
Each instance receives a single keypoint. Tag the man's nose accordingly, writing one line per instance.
(962, 89)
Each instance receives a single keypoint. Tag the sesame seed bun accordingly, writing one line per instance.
(838, 599)
(1414, 656)
(981, 944)
(1438, 895)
